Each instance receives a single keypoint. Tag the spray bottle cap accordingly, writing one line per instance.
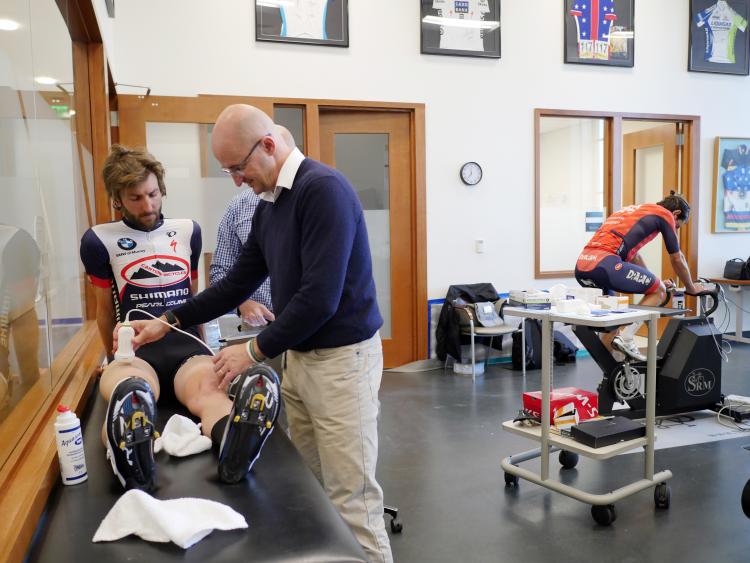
(62, 409)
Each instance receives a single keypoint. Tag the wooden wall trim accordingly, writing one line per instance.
(80, 17)
(100, 127)
(32, 471)
(538, 114)
(419, 183)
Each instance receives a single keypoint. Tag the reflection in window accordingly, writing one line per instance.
(44, 175)
(571, 168)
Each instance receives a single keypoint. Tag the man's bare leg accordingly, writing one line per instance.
(197, 387)
(628, 331)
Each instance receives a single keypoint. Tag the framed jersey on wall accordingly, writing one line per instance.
(599, 32)
(731, 195)
(719, 38)
(314, 22)
(468, 28)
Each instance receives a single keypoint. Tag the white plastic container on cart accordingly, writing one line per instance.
(70, 447)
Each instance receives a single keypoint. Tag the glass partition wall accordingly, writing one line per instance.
(43, 209)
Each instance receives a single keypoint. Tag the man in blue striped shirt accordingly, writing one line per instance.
(234, 229)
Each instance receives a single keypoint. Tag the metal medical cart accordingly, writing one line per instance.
(602, 505)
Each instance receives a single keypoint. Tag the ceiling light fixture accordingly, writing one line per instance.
(46, 80)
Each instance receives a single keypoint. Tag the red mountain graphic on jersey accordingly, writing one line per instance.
(156, 271)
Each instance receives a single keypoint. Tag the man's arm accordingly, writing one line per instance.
(243, 278)
(105, 316)
(680, 266)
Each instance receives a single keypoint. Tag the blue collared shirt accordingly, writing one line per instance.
(234, 229)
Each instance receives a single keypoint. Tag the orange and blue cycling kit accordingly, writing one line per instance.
(605, 261)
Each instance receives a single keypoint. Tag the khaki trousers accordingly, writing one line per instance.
(331, 399)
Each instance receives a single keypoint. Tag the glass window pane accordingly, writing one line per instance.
(363, 159)
(59, 160)
(190, 195)
(293, 118)
(571, 152)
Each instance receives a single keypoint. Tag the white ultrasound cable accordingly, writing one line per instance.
(127, 320)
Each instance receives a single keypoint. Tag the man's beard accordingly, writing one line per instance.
(146, 222)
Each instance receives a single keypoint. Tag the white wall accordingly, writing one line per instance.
(476, 109)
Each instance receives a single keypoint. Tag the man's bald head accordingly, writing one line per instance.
(247, 141)
(240, 124)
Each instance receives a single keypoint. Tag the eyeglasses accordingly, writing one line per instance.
(239, 169)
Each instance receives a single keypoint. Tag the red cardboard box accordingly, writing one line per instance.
(564, 402)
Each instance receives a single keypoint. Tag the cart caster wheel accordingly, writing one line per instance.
(511, 480)
(568, 459)
(746, 499)
(396, 526)
(604, 515)
(662, 495)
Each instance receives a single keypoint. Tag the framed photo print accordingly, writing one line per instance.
(314, 22)
(468, 28)
(719, 39)
(599, 32)
(731, 195)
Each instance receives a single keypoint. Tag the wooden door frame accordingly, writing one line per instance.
(690, 236)
(135, 111)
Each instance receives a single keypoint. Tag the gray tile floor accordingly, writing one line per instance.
(440, 450)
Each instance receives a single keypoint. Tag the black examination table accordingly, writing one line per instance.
(288, 514)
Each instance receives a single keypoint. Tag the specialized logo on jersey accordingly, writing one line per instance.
(126, 243)
(156, 271)
(173, 245)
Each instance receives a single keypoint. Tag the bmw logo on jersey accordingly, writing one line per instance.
(126, 243)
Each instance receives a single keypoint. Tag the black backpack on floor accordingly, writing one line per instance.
(533, 346)
(564, 350)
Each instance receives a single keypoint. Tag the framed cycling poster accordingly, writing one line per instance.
(314, 22)
(599, 32)
(719, 39)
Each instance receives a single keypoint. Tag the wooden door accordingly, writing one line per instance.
(660, 144)
(373, 149)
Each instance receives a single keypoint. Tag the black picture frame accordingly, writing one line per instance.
(702, 41)
(313, 22)
(615, 22)
(482, 41)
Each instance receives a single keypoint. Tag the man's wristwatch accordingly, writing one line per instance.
(171, 318)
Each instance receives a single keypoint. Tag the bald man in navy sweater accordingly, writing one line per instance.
(309, 236)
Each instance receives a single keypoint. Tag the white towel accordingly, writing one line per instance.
(184, 521)
(182, 437)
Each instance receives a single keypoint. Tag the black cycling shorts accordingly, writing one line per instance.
(167, 355)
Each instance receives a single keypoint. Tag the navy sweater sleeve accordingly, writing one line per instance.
(248, 272)
(328, 218)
